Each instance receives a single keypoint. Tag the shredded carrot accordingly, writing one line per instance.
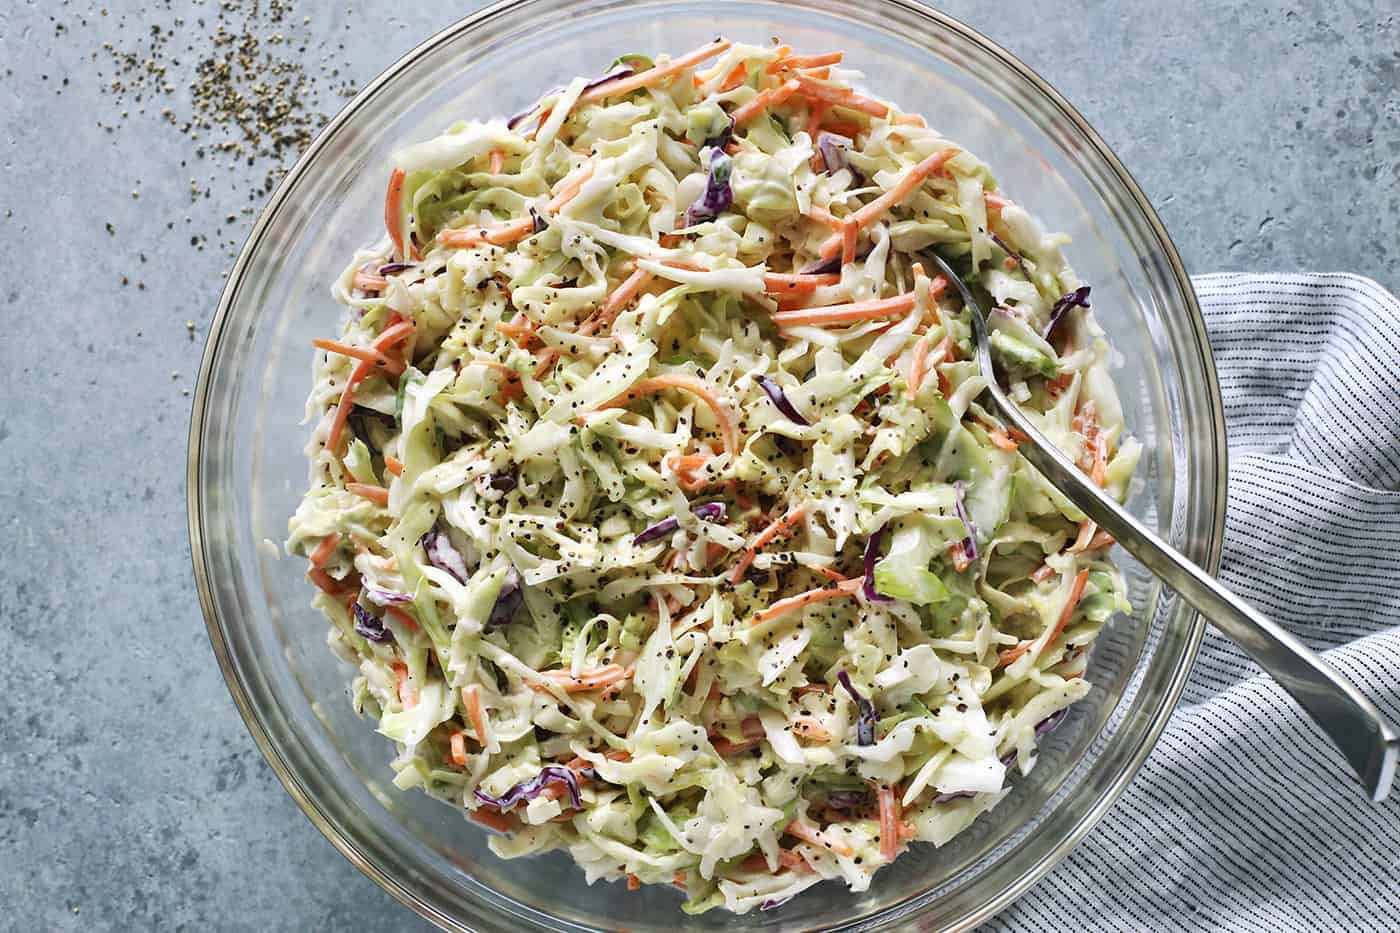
(373, 493)
(809, 728)
(850, 230)
(498, 161)
(799, 830)
(654, 75)
(958, 553)
(889, 822)
(325, 582)
(793, 861)
(994, 202)
(619, 299)
(816, 112)
(790, 282)
(694, 386)
(393, 464)
(1100, 540)
(725, 748)
(848, 313)
(1001, 439)
(1076, 591)
(735, 77)
(769, 97)
(791, 603)
(918, 366)
(364, 354)
(823, 216)
(491, 819)
(405, 689)
(910, 119)
(471, 699)
(458, 744)
(392, 222)
(1042, 573)
(775, 528)
(789, 62)
(402, 617)
(497, 235)
(905, 187)
(841, 96)
(569, 187)
(369, 282)
(842, 128)
(325, 549)
(828, 573)
(634, 883)
(1055, 387)
(590, 680)
(812, 688)
(523, 333)
(391, 336)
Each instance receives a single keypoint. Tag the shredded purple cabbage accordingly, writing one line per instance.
(623, 72)
(508, 600)
(781, 401)
(529, 790)
(1079, 298)
(710, 511)
(848, 799)
(369, 626)
(445, 557)
(969, 544)
(1051, 722)
(866, 719)
(1012, 253)
(388, 597)
(872, 555)
(725, 137)
(834, 157)
(775, 902)
(394, 268)
(718, 196)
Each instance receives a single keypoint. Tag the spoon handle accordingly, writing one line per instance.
(1369, 743)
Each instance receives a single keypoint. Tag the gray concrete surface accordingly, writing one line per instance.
(1268, 135)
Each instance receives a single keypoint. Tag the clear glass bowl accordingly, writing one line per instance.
(246, 470)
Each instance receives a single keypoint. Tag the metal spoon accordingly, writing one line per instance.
(1370, 744)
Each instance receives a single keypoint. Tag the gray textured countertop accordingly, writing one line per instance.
(1268, 136)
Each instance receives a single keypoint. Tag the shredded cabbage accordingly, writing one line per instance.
(591, 494)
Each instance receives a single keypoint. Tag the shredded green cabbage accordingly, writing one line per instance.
(593, 490)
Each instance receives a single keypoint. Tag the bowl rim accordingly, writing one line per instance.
(233, 678)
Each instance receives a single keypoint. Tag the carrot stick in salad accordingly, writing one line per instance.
(918, 366)
(458, 744)
(392, 219)
(325, 582)
(500, 822)
(604, 676)
(393, 465)
(788, 62)
(694, 386)
(775, 528)
(619, 299)
(871, 310)
(800, 830)
(790, 282)
(902, 189)
(373, 493)
(654, 75)
(365, 354)
(402, 617)
(1076, 591)
(792, 603)
(498, 161)
(889, 822)
(841, 96)
(325, 549)
(736, 77)
(769, 97)
(369, 282)
(471, 701)
(405, 688)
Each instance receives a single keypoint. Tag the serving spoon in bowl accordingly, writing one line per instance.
(1370, 744)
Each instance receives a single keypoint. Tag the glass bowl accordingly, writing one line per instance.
(246, 469)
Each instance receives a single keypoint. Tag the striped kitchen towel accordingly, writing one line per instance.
(1244, 818)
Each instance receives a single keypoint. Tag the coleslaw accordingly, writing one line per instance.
(651, 498)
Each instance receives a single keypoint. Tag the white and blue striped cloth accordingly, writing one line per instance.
(1244, 818)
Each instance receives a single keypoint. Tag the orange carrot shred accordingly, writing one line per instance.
(325, 549)
(373, 493)
(775, 528)
(784, 606)
(393, 464)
